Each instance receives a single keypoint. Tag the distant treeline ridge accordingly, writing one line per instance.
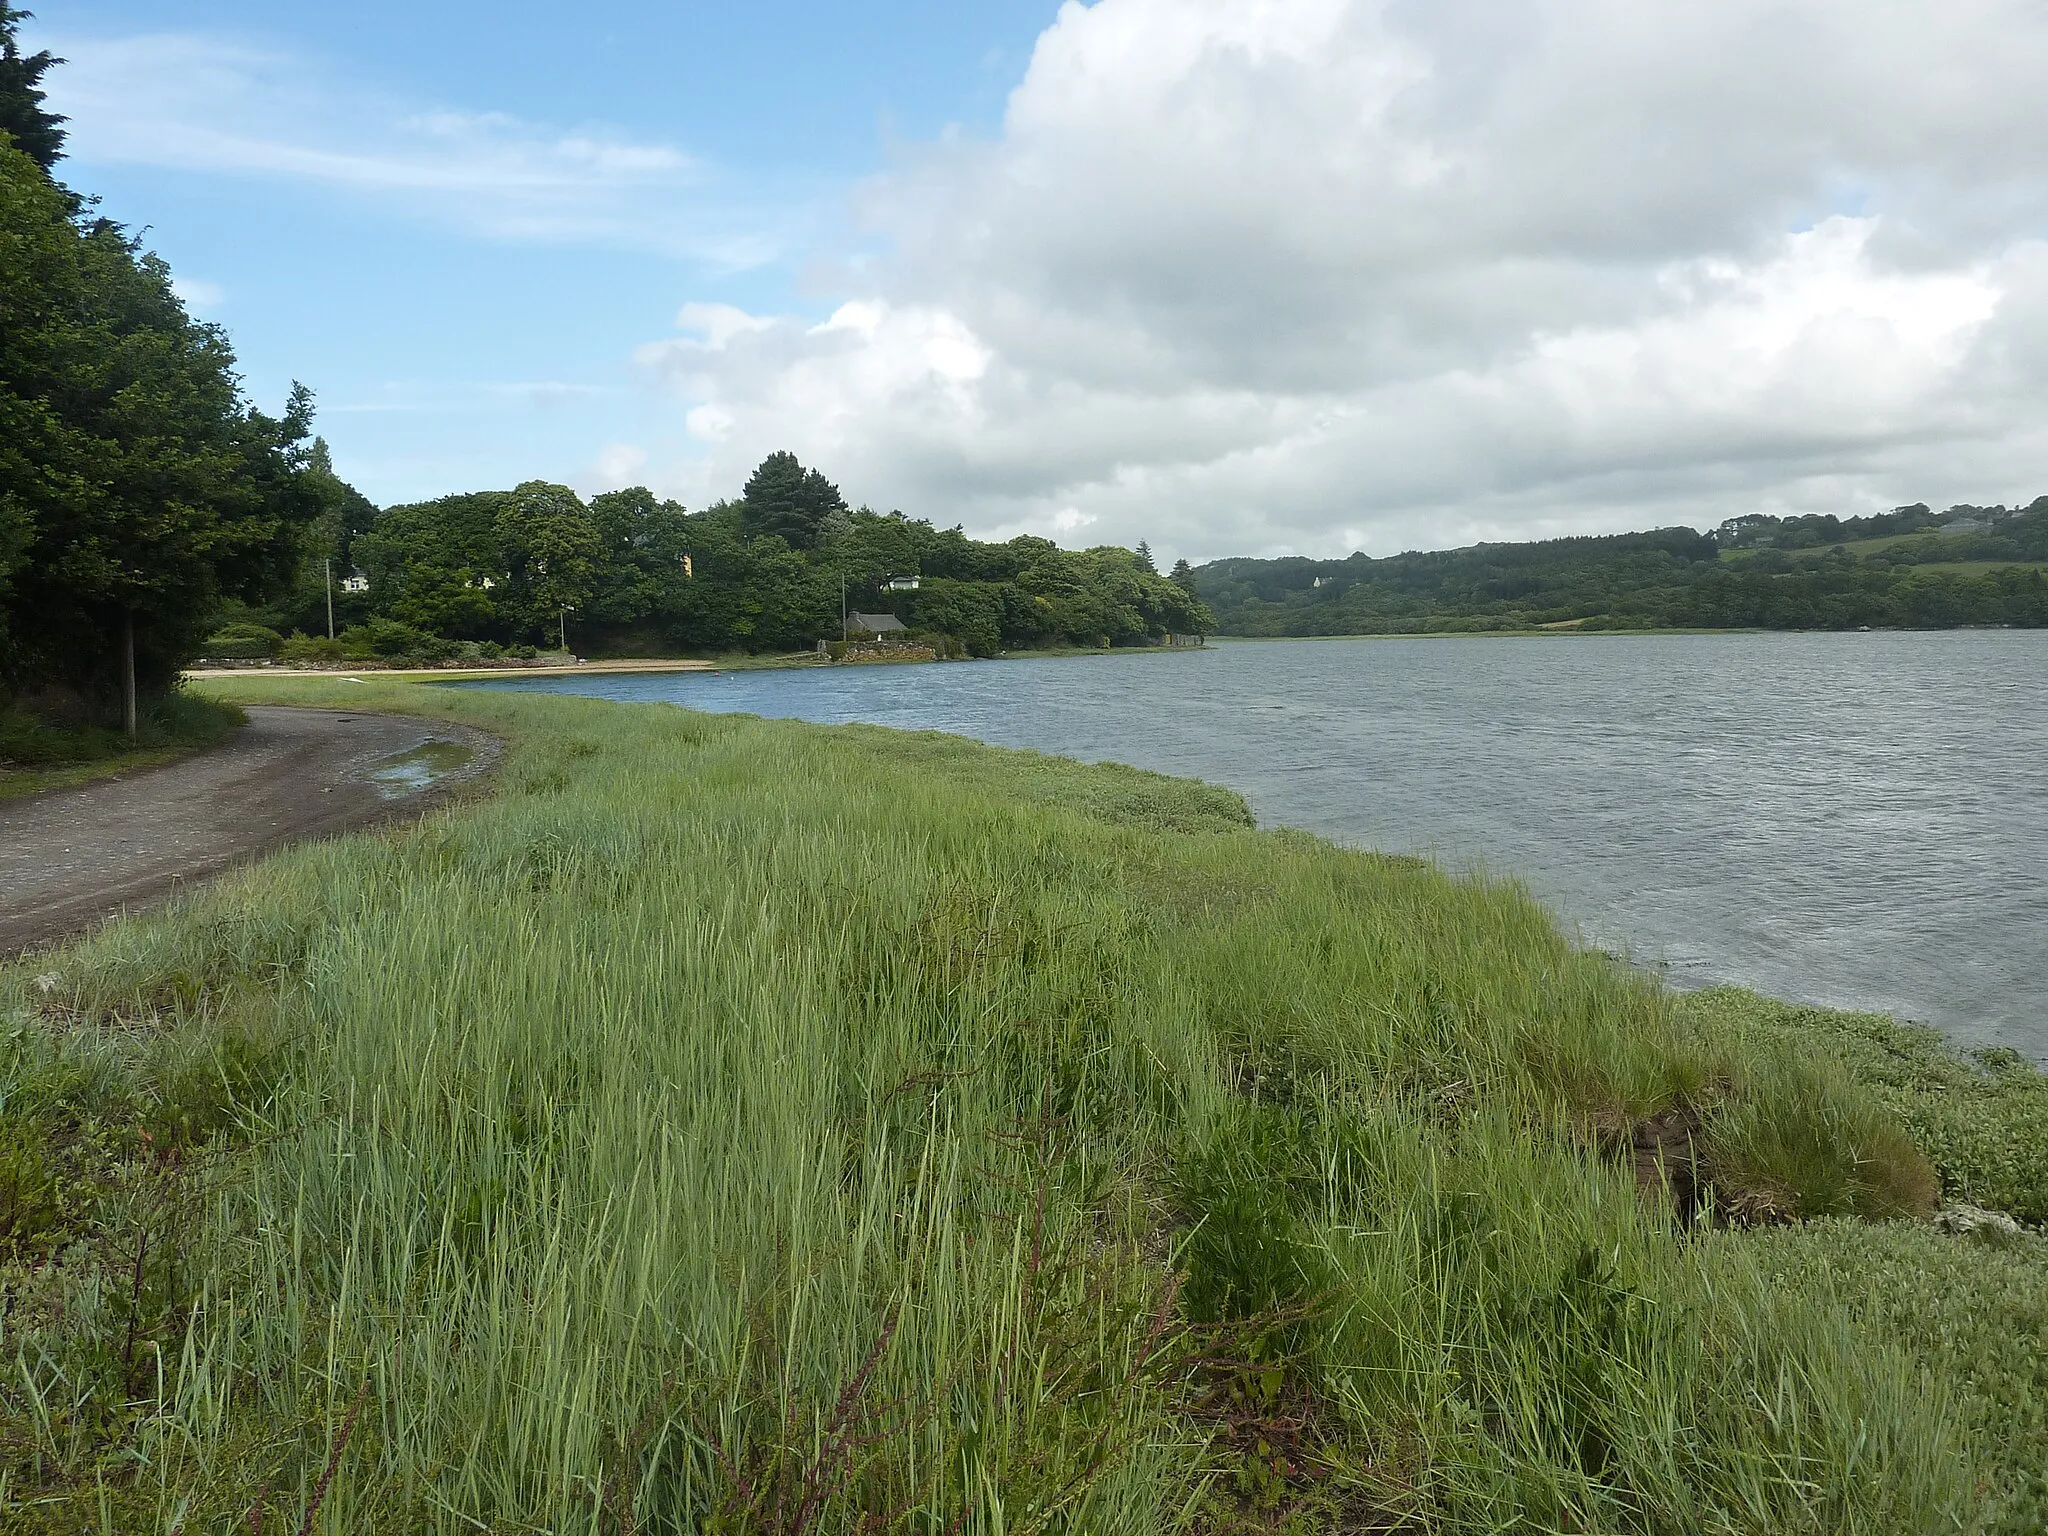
(1907, 568)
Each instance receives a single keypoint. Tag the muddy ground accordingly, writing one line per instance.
(73, 857)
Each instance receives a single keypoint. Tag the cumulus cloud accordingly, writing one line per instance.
(1267, 275)
(194, 103)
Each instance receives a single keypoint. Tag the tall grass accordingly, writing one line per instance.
(745, 1126)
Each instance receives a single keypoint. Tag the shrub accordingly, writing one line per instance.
(244, 642)
(301, 647)
(390, 640)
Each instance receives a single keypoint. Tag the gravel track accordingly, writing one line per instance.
(74, 857)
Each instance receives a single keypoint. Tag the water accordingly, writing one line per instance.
(1856, 820)
(409, 772)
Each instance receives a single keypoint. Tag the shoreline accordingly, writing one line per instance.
(444, 674)
(785, 661)
(1433, 1097)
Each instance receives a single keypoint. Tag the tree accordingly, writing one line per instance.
(1183, 577)
(642, 545)
(554, 548)
(35, 131)
(137, 487)
(441, 565)
(787, 501)
(1144, 554)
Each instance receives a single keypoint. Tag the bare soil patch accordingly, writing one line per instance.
(71, 858)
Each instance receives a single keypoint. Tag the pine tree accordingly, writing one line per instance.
(35, 131)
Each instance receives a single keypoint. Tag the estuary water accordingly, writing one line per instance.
(1859, 820)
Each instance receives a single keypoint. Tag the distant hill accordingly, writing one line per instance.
(1910, 568)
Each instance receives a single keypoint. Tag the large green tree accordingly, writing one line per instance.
(137, 487)
(554, 548)
(36, 131)
(790, 502)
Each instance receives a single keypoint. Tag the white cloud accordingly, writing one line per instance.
(201, 104)
(618, 465)
(1255, 275)
(198, 295)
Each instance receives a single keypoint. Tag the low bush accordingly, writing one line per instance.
(243, 642)
(300, 647)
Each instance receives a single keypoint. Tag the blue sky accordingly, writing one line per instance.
(1232, 276)
(448, 352)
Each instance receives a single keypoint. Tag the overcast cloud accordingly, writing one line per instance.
(1257, 276)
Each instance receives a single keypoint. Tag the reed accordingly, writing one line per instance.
(736, 1125)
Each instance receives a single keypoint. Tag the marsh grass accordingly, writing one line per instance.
(738, 1125)
(49, 747)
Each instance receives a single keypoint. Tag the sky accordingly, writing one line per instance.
(1233, 276)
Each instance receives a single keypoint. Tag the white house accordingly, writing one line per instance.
(902, 584)
(355, 582)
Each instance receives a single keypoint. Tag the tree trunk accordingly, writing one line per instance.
(128, 671)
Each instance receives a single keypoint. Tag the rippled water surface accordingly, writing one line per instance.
(1859, 820)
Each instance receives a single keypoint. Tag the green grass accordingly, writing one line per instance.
(740, 1125)
(38, 754)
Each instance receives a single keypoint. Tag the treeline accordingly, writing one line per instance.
(628, 573)
(1909, 568)
(138, 488)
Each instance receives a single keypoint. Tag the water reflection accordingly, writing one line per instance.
(409, 772)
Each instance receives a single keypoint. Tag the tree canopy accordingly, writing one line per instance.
(767, 572)
(36, 131)
(1907, 568)
(136, 483)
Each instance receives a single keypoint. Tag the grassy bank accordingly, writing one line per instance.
(740, 1125)
(38, 752)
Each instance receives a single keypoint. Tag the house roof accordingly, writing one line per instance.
(875, 623)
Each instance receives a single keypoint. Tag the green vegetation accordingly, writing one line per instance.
(739, 1125)
(137, 487)
(630, 574)
(38, 752)
(1906, 569)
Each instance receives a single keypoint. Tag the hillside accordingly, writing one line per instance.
(1910, 568)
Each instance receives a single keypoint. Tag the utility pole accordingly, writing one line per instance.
(842, 607)
(329, 563)
(128, 670)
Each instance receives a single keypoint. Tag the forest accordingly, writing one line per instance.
(486, 573)
(1910, 568)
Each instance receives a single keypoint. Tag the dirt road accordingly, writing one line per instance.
(72, 857)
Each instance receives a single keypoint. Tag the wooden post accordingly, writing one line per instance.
(329, 562)
(128, 670)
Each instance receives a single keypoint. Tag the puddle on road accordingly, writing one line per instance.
(409, 772)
